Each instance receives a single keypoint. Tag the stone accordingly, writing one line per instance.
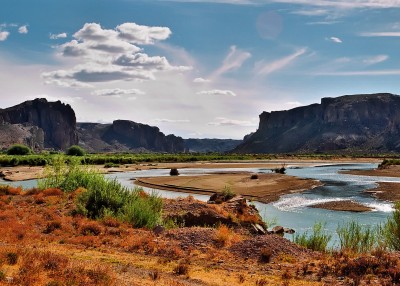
(289, 230)
(278, 229)
(347, 124)
(42, 124)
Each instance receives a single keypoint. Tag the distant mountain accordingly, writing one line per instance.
(351, 123)
(126, 136)
(38, 124)
(210, 145)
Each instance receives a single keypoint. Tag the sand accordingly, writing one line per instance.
(390, 171)
(386, 191)
(267, 188)
(346, 205)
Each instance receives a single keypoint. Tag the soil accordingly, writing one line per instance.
(267, 188)
(389, 171)
(386, 191)
(346, 205)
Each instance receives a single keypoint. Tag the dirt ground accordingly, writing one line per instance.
(266, 188)
(347, 205)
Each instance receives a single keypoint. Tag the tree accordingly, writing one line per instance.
(19, 149)
(75, 150)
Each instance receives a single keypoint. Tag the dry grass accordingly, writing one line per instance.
(43, 244)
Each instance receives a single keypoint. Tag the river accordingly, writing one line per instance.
(293, 210)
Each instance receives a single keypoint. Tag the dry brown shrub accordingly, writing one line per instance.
(181, 269)
(52, 192)
(91, 228)
(142, 242)
(52, 226)
(111, 222)
(9, 190)
(32, 191)
(226, 236)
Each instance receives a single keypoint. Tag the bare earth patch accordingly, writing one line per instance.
(386, 191)
(389, 171)
(347, 205)
(267, 188)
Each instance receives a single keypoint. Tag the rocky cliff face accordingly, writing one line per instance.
(350, 123)
(126, 136)
(210, 145)
(55, 121)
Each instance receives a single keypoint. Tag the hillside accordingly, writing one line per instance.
(210, 145)
(364, 123)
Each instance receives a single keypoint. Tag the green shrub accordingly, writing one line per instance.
(355, 238)
(19, 149)
(318, 240)
(174, 172)
(103, 197)
(390, 231)
(111, 165)
(227, 193)
(75, 150)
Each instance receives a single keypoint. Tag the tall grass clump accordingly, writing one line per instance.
(318, 240)
(356, 238)
(103, 197)
(390, 231)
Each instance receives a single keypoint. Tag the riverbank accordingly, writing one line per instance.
(21, 173)
(265, 188)
(386, 191)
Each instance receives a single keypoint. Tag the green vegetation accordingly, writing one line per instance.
(318, 240)
(357, 239)
(174, 172)
(227, 193)
(391, 229)
(75, 150)
(100, 198)
(19, 149)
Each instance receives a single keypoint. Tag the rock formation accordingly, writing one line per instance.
(125, 136)
(210, 145)
(40, 124)
(347, 124)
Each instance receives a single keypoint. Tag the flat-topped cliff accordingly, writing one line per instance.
(351, 123)
(56, 121)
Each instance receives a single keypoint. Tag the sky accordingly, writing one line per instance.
(196, 69)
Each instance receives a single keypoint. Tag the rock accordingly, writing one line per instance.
(125, 135)
(210, 145)
(350, 123)
(56, 121)
(289, 230)
(158, 229)
(278, 230)
(259, 229)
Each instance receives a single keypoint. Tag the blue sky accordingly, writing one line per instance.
(196, 68)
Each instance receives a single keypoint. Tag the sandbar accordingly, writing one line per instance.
(346, 205)
(267, 188)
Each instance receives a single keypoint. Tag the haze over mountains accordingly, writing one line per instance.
(367, 123)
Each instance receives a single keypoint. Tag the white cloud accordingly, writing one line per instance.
(359, 73)
(375, 60)
(144, 35)
(262, 68)
(232, 61)
(58, 36)
(4, 35)
(116, 92)
(200, 80)
(164, 120)
(216, 92)
(222, 121)
(111, 55)
(335, 40)
(313, 12)
(380, 34)
(23, 29)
